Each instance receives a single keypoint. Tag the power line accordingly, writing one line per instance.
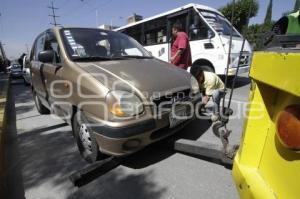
(53, 14)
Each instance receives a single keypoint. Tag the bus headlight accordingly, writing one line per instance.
(194, 85)
(234, 61)
(124, 104)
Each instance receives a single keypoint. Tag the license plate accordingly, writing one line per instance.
(177, 117)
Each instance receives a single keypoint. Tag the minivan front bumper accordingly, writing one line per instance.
(122, 146)
(121, 141)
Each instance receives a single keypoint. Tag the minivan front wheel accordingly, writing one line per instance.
(85, 138)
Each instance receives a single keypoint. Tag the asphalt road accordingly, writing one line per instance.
(44, 152)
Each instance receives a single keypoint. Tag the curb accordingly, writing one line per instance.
(4, 87)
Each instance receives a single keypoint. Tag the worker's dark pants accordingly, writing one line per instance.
(217, 95)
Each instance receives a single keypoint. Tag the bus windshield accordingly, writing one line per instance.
(219, 23)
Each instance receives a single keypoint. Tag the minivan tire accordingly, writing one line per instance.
(85, 139)
(39, 106)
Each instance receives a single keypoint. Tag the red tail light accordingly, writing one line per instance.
(288, 127)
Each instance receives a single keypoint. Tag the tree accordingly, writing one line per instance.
(297, 6)
(244, 10)
(268, 18)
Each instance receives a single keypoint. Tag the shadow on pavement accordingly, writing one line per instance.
(24, 109)
(165, 148)
(117, 184)
(49, 156)
(23, 94)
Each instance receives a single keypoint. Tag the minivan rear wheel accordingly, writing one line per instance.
(85, 139)
(39, 106)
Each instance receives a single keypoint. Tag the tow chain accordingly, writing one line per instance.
(220, 127)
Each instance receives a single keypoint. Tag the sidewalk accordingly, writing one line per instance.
(3, 98)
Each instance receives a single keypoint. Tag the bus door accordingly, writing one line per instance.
(178, 17)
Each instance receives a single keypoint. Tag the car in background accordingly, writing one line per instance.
(26, 71)
(16, 71)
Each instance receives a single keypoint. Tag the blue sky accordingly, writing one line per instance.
(22, 20)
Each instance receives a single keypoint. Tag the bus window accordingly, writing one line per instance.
(178, 18)
(198, 29)
(135, 32)
(155, 31)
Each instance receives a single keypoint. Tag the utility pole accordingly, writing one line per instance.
(53, 14)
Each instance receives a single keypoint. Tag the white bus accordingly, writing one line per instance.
(208, 31)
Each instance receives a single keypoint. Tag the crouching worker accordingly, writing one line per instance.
(211, 86)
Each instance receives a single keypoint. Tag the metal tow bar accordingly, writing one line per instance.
(93, 171)
(224, 153)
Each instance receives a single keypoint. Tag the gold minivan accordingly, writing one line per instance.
(115, 95)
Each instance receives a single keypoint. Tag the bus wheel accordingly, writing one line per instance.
(207, 68)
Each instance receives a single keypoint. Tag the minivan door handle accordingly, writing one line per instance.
(57, 69)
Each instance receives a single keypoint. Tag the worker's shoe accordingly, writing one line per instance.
(214, 117)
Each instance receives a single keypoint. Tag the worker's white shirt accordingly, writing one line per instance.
(211, 82)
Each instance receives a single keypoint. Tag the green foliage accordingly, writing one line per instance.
(256, 32)
(243, 10)
(268, 18)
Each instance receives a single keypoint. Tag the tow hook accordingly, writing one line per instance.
(220, 130)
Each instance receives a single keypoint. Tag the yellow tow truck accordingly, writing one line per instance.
(267, 164)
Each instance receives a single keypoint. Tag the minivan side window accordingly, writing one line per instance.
(51, 44)
(198, 29)
(39, 46)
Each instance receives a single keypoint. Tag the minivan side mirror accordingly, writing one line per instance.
(210, 34)
(46, 56)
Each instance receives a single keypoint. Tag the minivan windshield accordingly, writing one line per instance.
(219, 23)
(83, 44)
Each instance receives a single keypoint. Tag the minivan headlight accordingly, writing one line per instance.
(194, 85)
(124, 104)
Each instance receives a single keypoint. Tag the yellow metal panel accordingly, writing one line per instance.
(279, 165)
(280, 70)
(258, 117)
(263, 168)
(249, 182)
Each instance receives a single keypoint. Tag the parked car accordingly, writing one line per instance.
(26, 71)
(115, 95)
(16, 71)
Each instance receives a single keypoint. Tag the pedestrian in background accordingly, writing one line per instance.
(180, 50)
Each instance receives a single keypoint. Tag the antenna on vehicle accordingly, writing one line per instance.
(53, 14)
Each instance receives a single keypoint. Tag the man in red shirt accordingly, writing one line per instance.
(180, 51)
